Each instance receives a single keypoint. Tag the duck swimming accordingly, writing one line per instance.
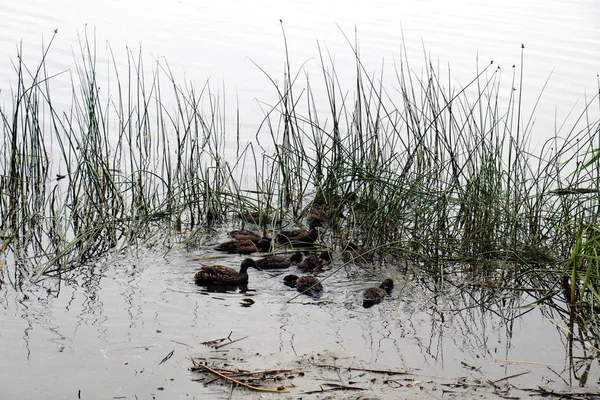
(374, 295)
(219, 274)
(305, 284)
(298, 237)
(274, 262)
(245, 234)
(315, 263)
(245, 246)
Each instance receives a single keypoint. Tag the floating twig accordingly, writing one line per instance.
(566, 395)
(377, 371)
(472, 367)
(215, 342)
(523, 362)
(229, 379)
(181, 343)
(508, 377)
(207, 258)
(239, 373)
(167, 357)
(230, 342)
(334, 386)
(264, 372)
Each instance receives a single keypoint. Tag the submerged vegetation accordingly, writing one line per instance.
(437, 175)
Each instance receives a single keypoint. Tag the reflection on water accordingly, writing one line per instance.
(106, 332)
(211, 288)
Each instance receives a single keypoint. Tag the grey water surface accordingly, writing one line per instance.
(104, 334)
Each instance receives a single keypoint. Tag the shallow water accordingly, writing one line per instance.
(105, 333)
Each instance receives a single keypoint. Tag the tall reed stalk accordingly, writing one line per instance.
(420, 168)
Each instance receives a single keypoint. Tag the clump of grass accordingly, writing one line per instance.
(419, 168)
(430, 170)
(129, 167)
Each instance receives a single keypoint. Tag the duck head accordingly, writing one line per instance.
(387, 285)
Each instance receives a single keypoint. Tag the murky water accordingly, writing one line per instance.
(106, 332)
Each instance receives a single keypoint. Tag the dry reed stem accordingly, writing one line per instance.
(227, 378)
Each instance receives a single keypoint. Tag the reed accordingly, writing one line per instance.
(429, 171)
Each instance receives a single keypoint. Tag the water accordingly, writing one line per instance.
(106, 333)
(218, 43)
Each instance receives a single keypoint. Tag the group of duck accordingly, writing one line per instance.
(248, 242)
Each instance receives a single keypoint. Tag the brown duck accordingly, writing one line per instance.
(298, 237)
(244, 246)
(318, 215)
(314, 262)
(357, 254)
(374, 295)
(256, 217)
(219, 274)
(274, 262)
(245, 234)
(305, 284)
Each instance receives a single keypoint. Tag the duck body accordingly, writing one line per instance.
(219, 274)
(357, 254)
(245, 234)
(299, 237)
(244, 246)
(274, 262)
(315, 263)
(374, 295)
(305, 284)
(318, 215)
(256, 217)
(238, 247)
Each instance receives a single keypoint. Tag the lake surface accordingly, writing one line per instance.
(106, 332)
(220, 42)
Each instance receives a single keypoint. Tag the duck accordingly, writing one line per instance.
(315, 263)
(318, 215)
(298, 237)
(256, 217)
(238, 246)
(357, 254)
(305, 284)
(244, 246)
(374, 295)
(245, 234)
(219, 274)
(274, 261)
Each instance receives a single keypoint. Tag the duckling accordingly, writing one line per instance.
(315, 263)
(297, 257)
(374, 295)
(219, 274)
(305, 284)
